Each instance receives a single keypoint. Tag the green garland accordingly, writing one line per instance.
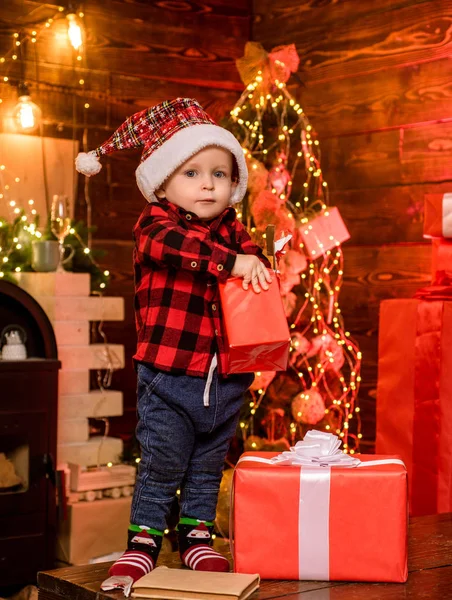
(15, 255)
(16, 239)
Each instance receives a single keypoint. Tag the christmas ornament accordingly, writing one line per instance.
(257, 176)
(330, 354)
(275, 65)
(289, 303)
(266, 210)
(262, 380)
(300, 344)
(308, 407)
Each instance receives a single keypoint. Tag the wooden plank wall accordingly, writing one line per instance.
(376, 85)
(137, 54)
(377, 88)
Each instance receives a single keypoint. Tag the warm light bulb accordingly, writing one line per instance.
(26, 114)
(74, 31)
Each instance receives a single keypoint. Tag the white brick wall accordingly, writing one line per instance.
(65, 299)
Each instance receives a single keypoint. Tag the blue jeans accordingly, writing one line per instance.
(183, 443)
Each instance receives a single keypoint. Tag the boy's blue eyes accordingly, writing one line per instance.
(192, 173)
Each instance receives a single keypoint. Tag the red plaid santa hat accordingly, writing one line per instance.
(170, 133)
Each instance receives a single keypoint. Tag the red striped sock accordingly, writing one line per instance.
(202, 557)
(132, 563)
(139, 559)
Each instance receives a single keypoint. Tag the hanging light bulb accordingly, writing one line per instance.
(74, 31)
(26, 114)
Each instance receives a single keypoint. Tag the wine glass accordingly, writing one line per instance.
(60, 224)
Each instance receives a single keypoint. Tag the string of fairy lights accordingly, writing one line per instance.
(22, 229)
(26, 116)
(324, 357)
(26, 113)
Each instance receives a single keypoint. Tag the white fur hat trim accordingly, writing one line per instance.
(157, 167)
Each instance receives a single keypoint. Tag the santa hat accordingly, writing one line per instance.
(170, 133)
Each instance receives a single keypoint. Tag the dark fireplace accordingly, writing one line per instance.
(28, 424)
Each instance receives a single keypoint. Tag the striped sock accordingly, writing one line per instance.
(196, 553)
(139, 559)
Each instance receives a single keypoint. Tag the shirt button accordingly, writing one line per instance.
(220, 267)
(194, 264)
(214, 307)
(188, 217)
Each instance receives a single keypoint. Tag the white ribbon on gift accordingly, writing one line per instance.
(317, 453)
(447, 215)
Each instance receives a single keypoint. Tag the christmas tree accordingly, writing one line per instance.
(287, 189)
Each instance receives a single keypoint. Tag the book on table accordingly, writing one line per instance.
(182, 584)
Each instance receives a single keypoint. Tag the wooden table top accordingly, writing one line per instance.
(429, 565)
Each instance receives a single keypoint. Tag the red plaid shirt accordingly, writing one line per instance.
(178, 261)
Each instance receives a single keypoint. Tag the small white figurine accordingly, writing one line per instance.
(13, 344)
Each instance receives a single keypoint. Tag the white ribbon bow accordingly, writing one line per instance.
(317, 449)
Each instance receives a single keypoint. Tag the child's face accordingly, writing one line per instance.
(203, 184)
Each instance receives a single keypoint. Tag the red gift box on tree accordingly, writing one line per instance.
(438, 215)
(414, 395)
(323, 233)
(255, 326)
(314, 522)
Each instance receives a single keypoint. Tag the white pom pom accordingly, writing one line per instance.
(88, 163)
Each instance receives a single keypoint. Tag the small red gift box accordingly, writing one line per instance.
(320, 523)
(414, 396)
(438, 215)
(255, 326)
(323, 233)
(441, 262)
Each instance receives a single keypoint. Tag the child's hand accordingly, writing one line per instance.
(252, 270)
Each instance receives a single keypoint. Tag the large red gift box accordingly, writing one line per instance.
(323, 233)
(414, 397)
(255, 326)
(438, 215)
(320, 523)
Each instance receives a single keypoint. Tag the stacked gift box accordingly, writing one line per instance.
(297, 515)
(414, 395)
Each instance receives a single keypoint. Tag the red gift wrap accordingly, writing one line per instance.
(255, 326)
(323, 233)
(441, 262)
(414, 397)
(320, 523)
(438, 215)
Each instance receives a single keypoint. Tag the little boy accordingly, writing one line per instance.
(187, 240)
